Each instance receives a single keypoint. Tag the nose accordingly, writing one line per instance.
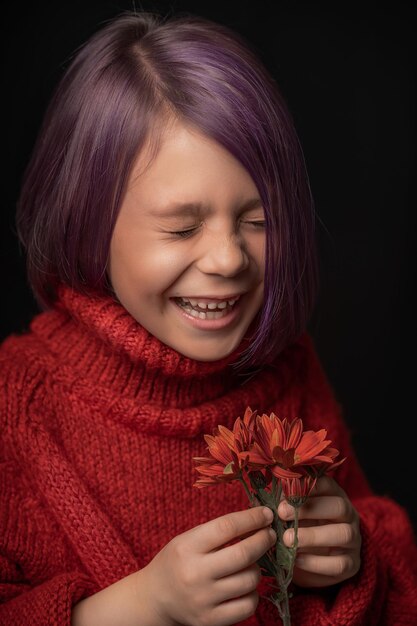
(224, 255)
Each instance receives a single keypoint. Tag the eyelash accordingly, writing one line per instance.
(184, 234)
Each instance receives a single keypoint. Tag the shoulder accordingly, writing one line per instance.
(26, 354)
(301, 356)
(23, 376)
(300, 370)
(311, 368)
(312, 382)
(20, 355)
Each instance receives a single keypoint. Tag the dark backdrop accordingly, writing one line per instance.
(346, 72)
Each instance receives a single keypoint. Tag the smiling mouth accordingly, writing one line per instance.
(205, 309)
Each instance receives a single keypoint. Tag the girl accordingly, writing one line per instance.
(169, 232)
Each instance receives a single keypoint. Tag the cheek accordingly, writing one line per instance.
(256, 250)
(144, 264)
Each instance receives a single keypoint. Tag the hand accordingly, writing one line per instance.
(198, 579)
(329, 540)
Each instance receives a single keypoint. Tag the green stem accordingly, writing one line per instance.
(282, 577)
(294, 548)
(250, 495)
(276, 492)
(282, 603)
(286, 618)
(274, 489)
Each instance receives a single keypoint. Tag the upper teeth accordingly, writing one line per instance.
(210, 305)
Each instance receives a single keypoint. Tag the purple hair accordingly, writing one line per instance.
(132, 73)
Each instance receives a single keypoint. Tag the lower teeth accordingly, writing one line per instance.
(209, 315)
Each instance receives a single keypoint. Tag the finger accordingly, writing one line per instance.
(335, 508)
(322, 551)
(241, 555)
(303, 578)
(338, 567)
(330, 536)
(235, 611)
(237, 585)
(327, 486)
(218, 532)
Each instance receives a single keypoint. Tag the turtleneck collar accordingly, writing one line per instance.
(101, 353)
(109, 321)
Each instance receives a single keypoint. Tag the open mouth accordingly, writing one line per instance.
(206, 309)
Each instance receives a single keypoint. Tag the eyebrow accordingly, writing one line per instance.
(194, 208)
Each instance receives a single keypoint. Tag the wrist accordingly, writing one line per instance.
(145, 591)
(129, 602)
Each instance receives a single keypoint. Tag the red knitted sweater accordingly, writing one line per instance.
(99, 422)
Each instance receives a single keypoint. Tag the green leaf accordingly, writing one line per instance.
(283, 556)
(267, 566)
(267, 499)
(278, 597)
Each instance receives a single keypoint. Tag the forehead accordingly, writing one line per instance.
(186, 168)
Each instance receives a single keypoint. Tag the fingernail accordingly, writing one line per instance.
(285, 510)
(289, 536)
(273, 534)
(269, 516)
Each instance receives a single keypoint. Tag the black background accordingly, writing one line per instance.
(347, 73)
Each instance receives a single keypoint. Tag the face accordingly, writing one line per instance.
(187, 252)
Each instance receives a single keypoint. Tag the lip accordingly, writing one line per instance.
(210, 325)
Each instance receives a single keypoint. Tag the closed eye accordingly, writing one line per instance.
(183, 234)
(257, 224)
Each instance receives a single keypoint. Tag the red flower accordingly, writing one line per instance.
(271, 458)
(325, 468)
(297, 490)
(287, 450)
(243, 430)
(228, 452)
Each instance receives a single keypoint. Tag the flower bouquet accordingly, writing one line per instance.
(272, 459)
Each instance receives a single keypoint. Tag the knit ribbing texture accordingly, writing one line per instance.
(99, 422)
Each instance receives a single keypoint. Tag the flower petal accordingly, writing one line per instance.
(295, 432)
(280, 472)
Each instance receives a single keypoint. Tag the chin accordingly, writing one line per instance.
(208, 356)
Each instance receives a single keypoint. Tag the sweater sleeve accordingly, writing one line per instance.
(46, 604)
(384, 591)
(32, 590)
